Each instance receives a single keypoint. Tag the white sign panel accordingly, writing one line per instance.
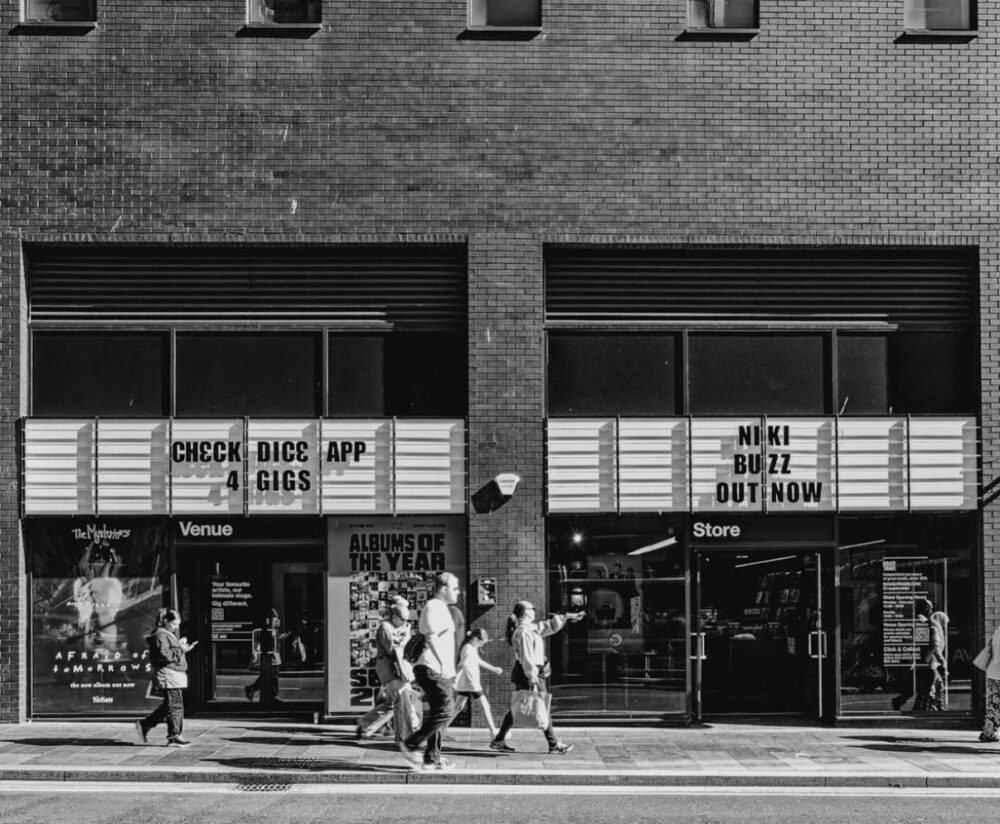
(283, 466)
(429, 464)
(581, 465)
(206, 467)
(871, 464)
(59, 467)
(727, 470)
(133, 458)
(652, 465)
(357, 466)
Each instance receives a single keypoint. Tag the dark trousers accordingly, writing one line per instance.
(521, 682)
(171, 709)
(440, 694)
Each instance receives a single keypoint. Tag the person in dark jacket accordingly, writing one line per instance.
(167, 655)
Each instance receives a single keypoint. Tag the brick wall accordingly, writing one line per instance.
(165, 124)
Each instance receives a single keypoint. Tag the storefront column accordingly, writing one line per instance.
(989, 314)
(506, 368)
(13, 404)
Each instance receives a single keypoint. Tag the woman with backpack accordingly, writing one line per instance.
(526, 636)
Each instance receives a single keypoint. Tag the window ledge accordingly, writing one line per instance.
(500, 33)
(279, 30)
(718, 34)
(55, 27)
(938, 35)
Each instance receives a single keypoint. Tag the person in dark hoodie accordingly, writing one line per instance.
(167, 655)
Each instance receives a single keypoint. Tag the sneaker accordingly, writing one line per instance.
(560, 749)
(248, 692)
(501, 746)
(411, 755)
(141, 731)
(178, 742)
(443, 765)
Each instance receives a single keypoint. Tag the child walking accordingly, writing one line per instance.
(468, 684)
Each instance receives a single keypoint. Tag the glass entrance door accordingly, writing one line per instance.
(263, 619)
(763, 642)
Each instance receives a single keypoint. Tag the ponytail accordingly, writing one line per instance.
(512, 623)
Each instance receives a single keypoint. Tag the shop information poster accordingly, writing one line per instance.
(902, 636)
(95, 592)
(372, 560)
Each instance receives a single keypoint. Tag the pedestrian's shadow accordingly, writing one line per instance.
(887, 743)
(272, 765)
(276, 741)
(68, 742)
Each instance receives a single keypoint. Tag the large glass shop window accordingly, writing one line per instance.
(906, 595)
(112, 375)
(629, 655)
(96, 587)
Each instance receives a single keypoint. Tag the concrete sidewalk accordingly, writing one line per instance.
(268, 753)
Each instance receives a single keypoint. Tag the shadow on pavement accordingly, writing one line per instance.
(317, 765)
(69, 742)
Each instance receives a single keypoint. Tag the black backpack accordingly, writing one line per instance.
(414, 648)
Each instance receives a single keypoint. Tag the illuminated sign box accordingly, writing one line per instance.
(242, 466)
(761, 464)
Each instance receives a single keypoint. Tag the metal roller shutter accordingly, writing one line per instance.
(905, 285)
(411, 287)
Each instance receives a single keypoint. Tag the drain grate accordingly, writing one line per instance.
(263, 787)
(279, 763)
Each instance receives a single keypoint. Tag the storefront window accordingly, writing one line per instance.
(612, 375)
(230, 375)
(357, 376)
(862, 375)
(758, 374)
(932, 373)
(906, 596)
(111, 375)
(95, 590)
(629, 655)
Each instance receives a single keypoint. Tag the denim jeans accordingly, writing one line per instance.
(172, 709)
(440, 694)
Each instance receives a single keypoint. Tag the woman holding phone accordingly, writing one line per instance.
(167, 654)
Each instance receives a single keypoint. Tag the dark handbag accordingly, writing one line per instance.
(545, 670)
(414, 648)
(155, 690)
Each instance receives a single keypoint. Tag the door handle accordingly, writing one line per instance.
(699, 646)
(817, 644)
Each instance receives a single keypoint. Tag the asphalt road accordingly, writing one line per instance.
(39, 803)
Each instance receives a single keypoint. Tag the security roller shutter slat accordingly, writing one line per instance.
(908, 286)
(412, 287)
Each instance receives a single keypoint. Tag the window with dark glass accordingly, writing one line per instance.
(222, 375)
(939, 15)
(862, 374)
(356, 375)
(932, 372)
(426, 374)
(758, 374)
(60, 11)
(284, 12)
(99, 374)
(612, 375)
(722, 14)
(505, 14)
(404, 374)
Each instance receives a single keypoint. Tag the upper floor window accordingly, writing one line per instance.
(940, 15)
(284, 12)
(723, 14)
(60, 11)
(505, 14)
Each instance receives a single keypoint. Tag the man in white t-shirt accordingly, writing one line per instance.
(435, 674)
